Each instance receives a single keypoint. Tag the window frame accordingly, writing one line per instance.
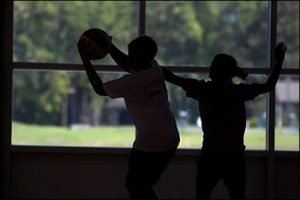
(141, 29)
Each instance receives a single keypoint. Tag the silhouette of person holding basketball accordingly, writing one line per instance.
(223, 115)
(145, 95)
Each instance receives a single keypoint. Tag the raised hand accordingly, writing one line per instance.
(280, 51)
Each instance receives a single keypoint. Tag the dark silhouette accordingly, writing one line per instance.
(222, 111)
(146, 98)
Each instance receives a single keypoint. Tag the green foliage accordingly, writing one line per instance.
(174, 25)
(42, 92)
(187, 32)
(288, 30)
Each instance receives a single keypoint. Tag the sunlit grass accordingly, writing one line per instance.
(123, 136)
(287, 139)
(64, 136)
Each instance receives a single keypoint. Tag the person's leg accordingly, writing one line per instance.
(160, 161)
(145, 169)
(235, 177)
(137, 181)
(208, 174)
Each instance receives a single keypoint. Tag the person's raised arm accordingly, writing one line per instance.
(279, 55)
(93, 77)
(119, 57)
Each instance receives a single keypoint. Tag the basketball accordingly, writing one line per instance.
(98, 40)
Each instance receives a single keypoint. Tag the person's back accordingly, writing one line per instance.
(146, 99)
(223, 117)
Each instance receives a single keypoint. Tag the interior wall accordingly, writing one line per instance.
(102, 176)
(286, 178)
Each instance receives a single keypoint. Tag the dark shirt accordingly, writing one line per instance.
(222, 111)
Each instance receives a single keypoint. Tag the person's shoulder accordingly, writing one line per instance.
(155, 63)
(205, 83)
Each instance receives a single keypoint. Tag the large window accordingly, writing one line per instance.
(54, 104)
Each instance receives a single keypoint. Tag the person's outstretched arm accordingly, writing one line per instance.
(93, 77)
(171, 77)
(279, 55)
(192, 87)
(177, 80)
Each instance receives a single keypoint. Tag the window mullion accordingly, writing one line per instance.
(271, 101)
(141, 17)
(271, 106)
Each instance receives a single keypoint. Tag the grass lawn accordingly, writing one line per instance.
(123, 136)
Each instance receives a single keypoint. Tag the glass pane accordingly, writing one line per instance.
(47, 31)
(255, 135)
(60, 108)
(193, 32)
(288, 31)
(186, 113)
(287, 113)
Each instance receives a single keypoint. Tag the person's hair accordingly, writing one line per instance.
(224, 67)
(143, 48)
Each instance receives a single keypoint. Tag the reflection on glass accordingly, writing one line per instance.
(287, 113)
(192, 32)
(60, 108)
(288, 31)
(47, 31)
